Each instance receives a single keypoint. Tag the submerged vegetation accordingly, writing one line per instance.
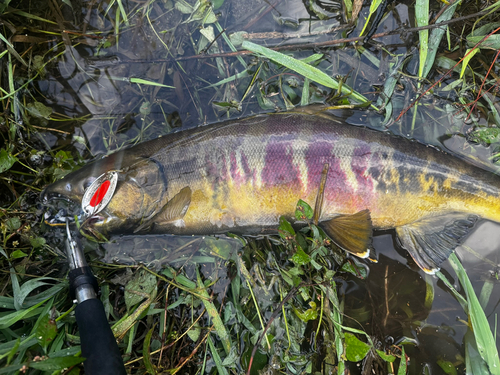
(78, 79)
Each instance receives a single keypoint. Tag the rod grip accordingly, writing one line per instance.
(98, 344)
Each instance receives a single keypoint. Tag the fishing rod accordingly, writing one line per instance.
(97, 341)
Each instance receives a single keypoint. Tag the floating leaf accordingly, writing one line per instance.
(422, 17)
(231, 359)
(212, 311)
(484, 338)
(447, 367)
(68, 3)
(484, 136)
(355, 349)
(4, 5)
(6, 160)
(217, 3)
(150, 83)
(402, 364)
(373, 8)
(465, 63)
(194, 333)
(238, 38)
(183, 7)
(436, 35)
(37, 109)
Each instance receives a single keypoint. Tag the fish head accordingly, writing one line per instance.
(108, 197)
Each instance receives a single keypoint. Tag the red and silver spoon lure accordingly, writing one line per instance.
(99, 193)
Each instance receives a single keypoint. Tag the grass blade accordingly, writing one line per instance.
(145, 353)
(150, 83)
(436, 36)
(484, 338)
(402, 364)
(308, 71)
(214, 315)
(422, 15)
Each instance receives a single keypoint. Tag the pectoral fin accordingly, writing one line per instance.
(430, 241)
(175, 209)
(352, 233)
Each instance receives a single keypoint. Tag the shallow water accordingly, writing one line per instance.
(396, 290)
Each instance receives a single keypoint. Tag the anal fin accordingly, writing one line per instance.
(352, 233)
(430, 241)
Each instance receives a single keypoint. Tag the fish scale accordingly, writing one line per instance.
(241, 176)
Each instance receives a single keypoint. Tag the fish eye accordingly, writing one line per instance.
(88, 182)
(69, 186)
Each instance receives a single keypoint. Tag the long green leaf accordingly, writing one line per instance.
(493, 42)
(402, 364)
(485, 341)
(12, 50)
(56, 364)
(218, 362)
(436, 36)
(308, 71)
(422, 16)
(27, 288)
(220, 328)
(146, 356)
(150, 83)
(7, 320)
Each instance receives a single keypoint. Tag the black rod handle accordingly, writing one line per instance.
(98, 344)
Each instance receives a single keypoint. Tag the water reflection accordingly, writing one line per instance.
(405, 304)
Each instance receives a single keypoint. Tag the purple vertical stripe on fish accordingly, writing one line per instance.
(278, 164)
(316, 155)
(337, 188)
(360, 163)
(222, 166)
(210, 167)
(240, 172)
(233, 169)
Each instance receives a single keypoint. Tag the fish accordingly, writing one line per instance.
(242, 176)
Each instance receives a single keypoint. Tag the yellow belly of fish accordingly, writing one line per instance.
(247, 205)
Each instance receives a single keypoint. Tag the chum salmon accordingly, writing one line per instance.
(241, 176)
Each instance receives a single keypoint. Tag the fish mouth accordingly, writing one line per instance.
(47, 197)
(57, 216)
(60, 208)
